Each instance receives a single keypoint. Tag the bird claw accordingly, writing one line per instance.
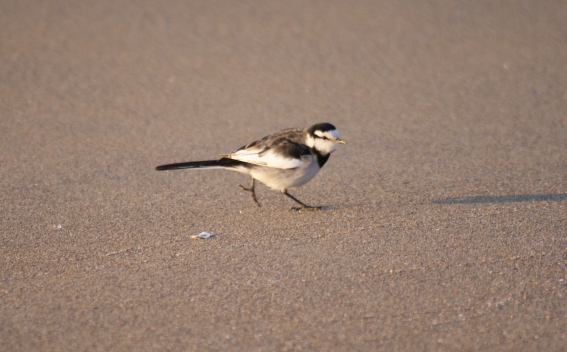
(246, 189)
(252, 190)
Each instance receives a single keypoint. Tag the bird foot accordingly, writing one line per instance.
(246, 189)
(253, 191)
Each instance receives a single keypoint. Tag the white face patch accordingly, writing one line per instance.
(332, 134)
(310, 141)
(325, 146)
(325, 143)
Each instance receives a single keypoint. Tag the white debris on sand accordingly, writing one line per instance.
(202, 235)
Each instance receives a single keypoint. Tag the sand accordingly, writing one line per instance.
(445, 215)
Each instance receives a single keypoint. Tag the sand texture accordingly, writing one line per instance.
(444, 225)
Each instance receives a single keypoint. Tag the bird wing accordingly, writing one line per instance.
(281, 150)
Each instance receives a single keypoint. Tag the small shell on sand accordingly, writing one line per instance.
(202, 235)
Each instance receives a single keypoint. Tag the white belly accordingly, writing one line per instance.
(279, 179)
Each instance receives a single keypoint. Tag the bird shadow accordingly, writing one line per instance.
(504, 199)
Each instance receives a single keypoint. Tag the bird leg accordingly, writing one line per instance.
(303, 205)
(252, 190)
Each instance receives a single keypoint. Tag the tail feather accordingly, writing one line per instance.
(205, 164)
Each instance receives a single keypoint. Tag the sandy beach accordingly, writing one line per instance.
(444, 225)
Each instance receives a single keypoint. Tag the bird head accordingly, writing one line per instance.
(323, 137)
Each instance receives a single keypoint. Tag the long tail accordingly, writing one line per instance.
(205, 164)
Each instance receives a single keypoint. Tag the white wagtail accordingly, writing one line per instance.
(283, 160)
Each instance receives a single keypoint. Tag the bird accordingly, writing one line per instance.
(286, 159)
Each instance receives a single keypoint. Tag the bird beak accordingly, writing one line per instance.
(340, 141)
